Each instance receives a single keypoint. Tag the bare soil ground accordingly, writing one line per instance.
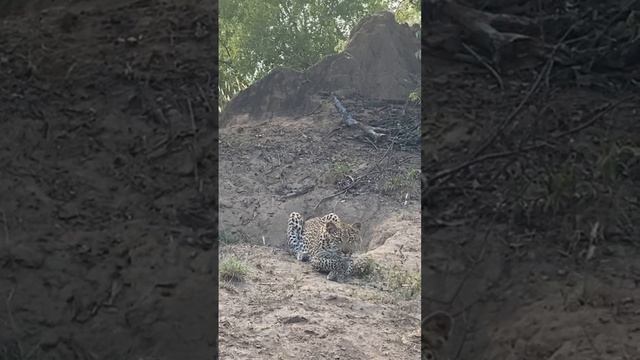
(531, 235)
(283, 307)
(304, 159)
(99, 257)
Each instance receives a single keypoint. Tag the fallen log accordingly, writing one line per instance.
(373, 132)
(503, 36)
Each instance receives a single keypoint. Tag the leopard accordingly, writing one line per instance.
(436, 330)
(327, 242)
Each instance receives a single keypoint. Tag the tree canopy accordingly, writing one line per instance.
(259, 35)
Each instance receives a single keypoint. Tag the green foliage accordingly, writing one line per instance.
(233, 270)
(227, 237)
(257, 36)
(407, 11)
(416, 95)
(405, 283)
(338, 171)
(402, 182)
(560, 189)
(396, 279)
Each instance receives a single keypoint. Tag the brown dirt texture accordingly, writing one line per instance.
(302, 158)
(531, 235)
(106, 231)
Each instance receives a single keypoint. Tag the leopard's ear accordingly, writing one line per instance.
(331, 227)
(357, 226)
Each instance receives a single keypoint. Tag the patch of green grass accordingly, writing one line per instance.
(402, 183)
(416, 95)
(232, 269)
(226, 237)
(405, 283)
(561, 187)
(337, 171)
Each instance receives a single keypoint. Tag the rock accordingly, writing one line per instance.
(49, 340)
(293, 319)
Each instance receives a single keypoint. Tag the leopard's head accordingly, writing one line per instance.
(346, 236)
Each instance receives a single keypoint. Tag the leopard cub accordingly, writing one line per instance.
(327, 242)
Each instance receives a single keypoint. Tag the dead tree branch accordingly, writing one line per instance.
(373, 132)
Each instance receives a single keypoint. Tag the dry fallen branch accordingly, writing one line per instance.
(485, 64)
(588, 121)
(543, 73)
(298, 192)
(481, 28)
(374, 132)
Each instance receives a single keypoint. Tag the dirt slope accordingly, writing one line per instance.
(286, 311)
(272, 168)
(312, 164)
(98, 257)
(533, 244)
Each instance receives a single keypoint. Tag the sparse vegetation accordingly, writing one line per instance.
(402, 183)
(416, 95)
(338, 171)
(561, 189)
(366, 267)
(233, 269)
(404, 283)
(226, 237)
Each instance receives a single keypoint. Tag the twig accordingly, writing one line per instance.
(194, 130)
(594, 117)
(483, 158)
(526, 98)
(6, 228)
(334, 195)
(463, 342)
(14, 327)
(485, 64)
(298, 192)
(205, 98)
(73, 66)
(9, 312)
(624, 8)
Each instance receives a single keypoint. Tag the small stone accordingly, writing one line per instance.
(49, 340)
(562, 272)
(294, 319)
(627, 300)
